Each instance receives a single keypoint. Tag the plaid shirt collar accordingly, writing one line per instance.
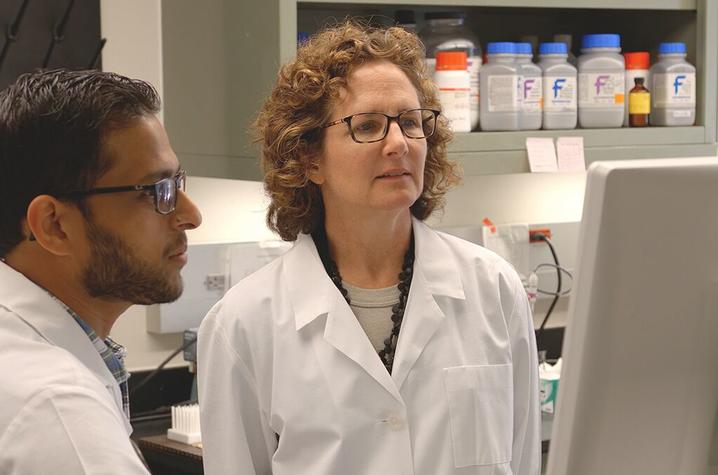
(113, 354)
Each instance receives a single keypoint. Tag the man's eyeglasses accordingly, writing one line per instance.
(369, 127)
(163, 191)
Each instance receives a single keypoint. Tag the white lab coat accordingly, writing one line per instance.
(60, 407)
(283, 354)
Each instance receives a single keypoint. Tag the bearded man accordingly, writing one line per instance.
(93, 218)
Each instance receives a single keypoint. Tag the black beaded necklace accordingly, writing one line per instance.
(397, 311)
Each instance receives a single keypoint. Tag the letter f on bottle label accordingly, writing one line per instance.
(600, 82)
(678, 83)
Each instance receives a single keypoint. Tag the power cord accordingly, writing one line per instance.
(156, 371)
(559, 283)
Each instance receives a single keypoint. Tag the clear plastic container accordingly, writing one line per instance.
(560, 110)
(446, 31)
(499, 79)
(673, 87)
(601, 82)
(530, 88)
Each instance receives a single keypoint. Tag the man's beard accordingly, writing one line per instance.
(114, 272)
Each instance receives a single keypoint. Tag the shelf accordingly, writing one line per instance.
(209, 108)
(569, 4)
(500, 141)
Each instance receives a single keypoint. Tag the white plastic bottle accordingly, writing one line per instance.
(560, 91)
(446, 31)
(568, 39)
(637, 65)
(499, 80)
(601, 82)
(530, 88)
(673, 91)
(454, 84)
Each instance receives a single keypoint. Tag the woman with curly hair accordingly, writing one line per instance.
(376, 345)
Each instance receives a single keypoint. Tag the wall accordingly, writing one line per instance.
(133, 30)
(523, 198)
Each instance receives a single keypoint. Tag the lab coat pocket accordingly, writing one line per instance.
(481, 415)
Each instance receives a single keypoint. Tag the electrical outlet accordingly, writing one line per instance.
(534, 231)
(214, 282)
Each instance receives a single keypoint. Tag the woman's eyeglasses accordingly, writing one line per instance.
(369, 127)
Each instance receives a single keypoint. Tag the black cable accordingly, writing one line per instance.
(58, 33)
(154, 372)
(551, 307)
(12, 31)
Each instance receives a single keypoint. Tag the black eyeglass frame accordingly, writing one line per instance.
(348, 120)
(180, 181)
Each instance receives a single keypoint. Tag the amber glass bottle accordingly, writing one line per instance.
(639, 104)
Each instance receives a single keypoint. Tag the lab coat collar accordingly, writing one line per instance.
(313, 293)
(49, 319)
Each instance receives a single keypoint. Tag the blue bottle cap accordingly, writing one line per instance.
(524, 48)
(553, 48)
(601, 41)
(302, 37)
(672, 48)
(502, 47)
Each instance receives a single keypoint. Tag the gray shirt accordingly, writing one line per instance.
(372, 308)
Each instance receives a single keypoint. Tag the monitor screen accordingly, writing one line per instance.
(639, 387)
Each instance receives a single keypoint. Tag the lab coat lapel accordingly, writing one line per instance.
(422, 318)
(313, 295)
(344, 333)
(436, 273)
(49, 319)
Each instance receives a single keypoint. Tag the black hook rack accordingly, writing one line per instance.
(96, 56)
(58, 33)
(12, 31)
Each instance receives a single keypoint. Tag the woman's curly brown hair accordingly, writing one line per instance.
(289, 123)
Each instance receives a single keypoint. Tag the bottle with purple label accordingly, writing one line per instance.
(530, 88)
(601, 82)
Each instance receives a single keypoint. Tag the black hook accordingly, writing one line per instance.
(98, 51)
(12, 30)
(58, 33)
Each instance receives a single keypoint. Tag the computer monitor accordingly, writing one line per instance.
(639, 389)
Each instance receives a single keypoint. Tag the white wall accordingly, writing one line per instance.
(134, 48)
(520, 198)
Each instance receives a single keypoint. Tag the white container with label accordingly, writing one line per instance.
(499, 81)
(673, 87)
(454, 85)
(560, 87)
(601, 82)
(446, 31)
(530, 88)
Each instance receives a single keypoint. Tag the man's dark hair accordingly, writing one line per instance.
(52, 127)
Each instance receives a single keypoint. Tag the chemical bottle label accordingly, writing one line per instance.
(639, 103)
(456, 107)
(597, 90)
(474, 65)
(559, 93)
(503, 93)
(530, 93)
(674, 89)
